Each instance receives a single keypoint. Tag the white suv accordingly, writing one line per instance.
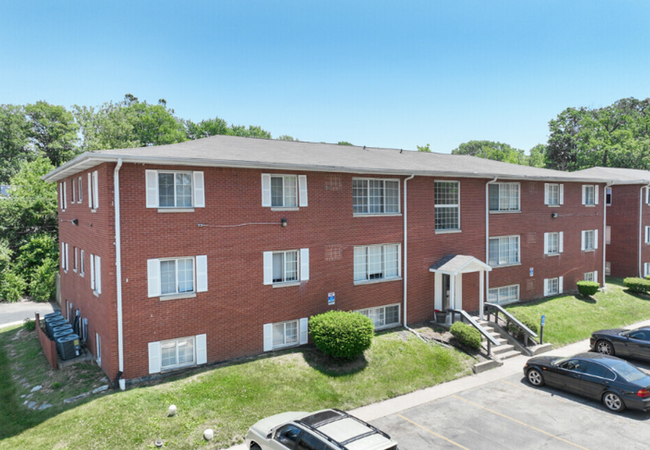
(330, 429)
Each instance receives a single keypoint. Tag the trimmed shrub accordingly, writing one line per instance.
(588, 288)
(531, 322)
(466, 334)
(638, 285)
(342, 335)
(12, 286)
(42, 288)
(29, 325)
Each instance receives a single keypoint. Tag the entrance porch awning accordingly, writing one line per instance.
(455, 264)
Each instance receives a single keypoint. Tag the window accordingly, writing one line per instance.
(284, 191)
(646, 269)
(174, 353)
(82, 265)
(504, 251)
(289, 266)
(285, 334)
(74, 191)
(167, 190)
(589, 195)
(93, 191)
(76, 251)
(591, 276)
(288, 435)
(589, 240)
(553, 194)
(95, 274)
(503, 295)
(608, 235)
(553, 286)
(608, 268)
(383, 316)
(81, 191)
(376, 262)
(647, 235)
(63, 195)
(64, 257)
(504, 196)
(553, 243)
(98, 349)
(608, 196)
(373, 196)
(310, 442)
(447, 205)
(177, 276)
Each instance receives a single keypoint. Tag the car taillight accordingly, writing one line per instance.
(643, 393)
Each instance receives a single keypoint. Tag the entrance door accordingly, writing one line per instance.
(446, 291)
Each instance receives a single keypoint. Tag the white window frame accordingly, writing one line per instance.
(384, 203)
(380, 311)
(98, 349)
(608, 268)
(199, 345)
(74, 191)
(76, 258)
(64, 256)
(197, 190)
(199, 277)
(548, 237)
(498, 292)
(608, 234)
(547, 286)
(302, 329)
(63, 188)
(80, 197)
(502, 195)
(82, 264)
(301, 192)
(302, 263)
(95, 274)
(647, 235)
(547, 194)
(608, 196)
(646, 269)
(585, 195)
(450, 206)
(498, 257)
(585, 239)
(591, 276)
(361, 251)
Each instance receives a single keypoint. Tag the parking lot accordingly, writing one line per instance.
(510, 414)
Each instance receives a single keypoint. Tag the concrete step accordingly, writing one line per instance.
(502, 349)
(506, 355)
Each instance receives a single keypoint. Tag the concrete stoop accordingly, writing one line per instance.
(486, 365)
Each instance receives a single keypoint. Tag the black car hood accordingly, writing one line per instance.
(543, 360)
(612, 332)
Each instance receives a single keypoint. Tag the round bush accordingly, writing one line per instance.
(12, 286)
(588, 288)
(639, 285)
(466, 334)
(42, 288)
(342, 335)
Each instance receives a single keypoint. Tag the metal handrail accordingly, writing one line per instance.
(499, 309)
(490, 339)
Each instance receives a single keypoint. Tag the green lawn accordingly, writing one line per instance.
(571, 318)
(227, 399)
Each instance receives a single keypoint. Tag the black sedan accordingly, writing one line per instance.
(615, 382)
(623, 343)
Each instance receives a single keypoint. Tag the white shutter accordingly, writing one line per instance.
(302, 183)
(582, 241)
(63, 255)
(596, 276)
(647, 195)
(596, 190)
(268, 337)
(154, 357)
(304, 264)
(61, 195)
(561, 244)
(92, 271)
(560, 284)
(546, 243)
(266, 189)
(304, 327)
(65, 195)
(98, 276)
(268, 267)
(584, 195)
(152, 188)
(90, 190)
(199, 190)
(66, 257)
(153, 276)
(546, 188)
(647, 235)
(595, 239)
(201, 273)
(201, 349)
(95, 191)
(545, 287)
(561, 194)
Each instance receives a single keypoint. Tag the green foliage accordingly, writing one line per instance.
(343, 335)
(32, 208)
(12, 286)
(252, 131)
(42, 286)
(492, 150)
(537, 156)
(638, 285)
(286, 137)
(13, 141)
(424, 148)
(466, 334)
(588, 288)
(52, 131)
(5, 256)
(33, 254)
(206, 128)
(29, 324)
(528, 319)
(344, 143)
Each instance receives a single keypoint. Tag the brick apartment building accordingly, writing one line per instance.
(223, 247)
(628, 220)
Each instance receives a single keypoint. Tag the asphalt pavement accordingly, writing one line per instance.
(15, 313)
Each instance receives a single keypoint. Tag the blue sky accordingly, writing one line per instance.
(377, 73)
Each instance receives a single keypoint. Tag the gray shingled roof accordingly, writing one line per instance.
(231, 151)
(617, 175)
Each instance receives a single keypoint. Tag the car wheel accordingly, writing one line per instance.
(613, 402)
(255, 447)
(535, 377)
(605, 347)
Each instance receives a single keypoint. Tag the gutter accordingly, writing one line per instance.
(641, 240)
(118, 273)
(487, 237)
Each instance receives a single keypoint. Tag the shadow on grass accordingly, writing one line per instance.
(586, 299)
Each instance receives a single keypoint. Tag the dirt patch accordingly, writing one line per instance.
(434, 332)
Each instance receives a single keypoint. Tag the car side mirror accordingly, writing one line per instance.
(270, 435)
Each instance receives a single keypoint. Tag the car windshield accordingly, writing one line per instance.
(627, 371)
(559, 361)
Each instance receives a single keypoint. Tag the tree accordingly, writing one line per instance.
(31, 208)
(344, 143)
(14, 143)
(286, 137)
(252, 131)
(206, 128)
(491, 150)
(424, 148)
(52, 131)
(537, 156)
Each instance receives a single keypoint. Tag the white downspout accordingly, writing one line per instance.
(405, 275)
(118, 271)
(641, 237)
(605, 233)
(487, 237)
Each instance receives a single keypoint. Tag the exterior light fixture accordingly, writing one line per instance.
(554, 215)
(283, 222)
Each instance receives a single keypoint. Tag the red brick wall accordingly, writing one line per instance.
(623, 218)
(95, 234)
